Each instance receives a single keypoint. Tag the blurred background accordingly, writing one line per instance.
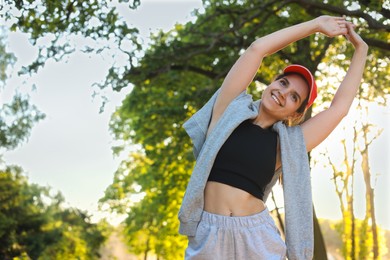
(94, 159)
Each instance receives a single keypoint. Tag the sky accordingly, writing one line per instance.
(70, 150)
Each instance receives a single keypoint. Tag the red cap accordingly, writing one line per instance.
(309, 78)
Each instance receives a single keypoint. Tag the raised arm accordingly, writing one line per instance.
(245, 68)
(317, 128)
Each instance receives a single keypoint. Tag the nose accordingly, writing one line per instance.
(282, 93)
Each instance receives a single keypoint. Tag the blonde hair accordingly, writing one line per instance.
(296, 120)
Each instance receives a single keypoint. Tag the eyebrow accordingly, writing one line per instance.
(288, 84)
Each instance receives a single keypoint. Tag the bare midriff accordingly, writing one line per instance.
(226, 200)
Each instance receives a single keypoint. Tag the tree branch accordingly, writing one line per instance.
(372, 23)
(319, 58)
(377, 43)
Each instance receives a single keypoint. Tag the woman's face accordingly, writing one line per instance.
(284, 96)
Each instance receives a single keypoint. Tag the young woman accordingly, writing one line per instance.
(241, 148)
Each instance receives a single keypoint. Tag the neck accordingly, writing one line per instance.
(264, 120)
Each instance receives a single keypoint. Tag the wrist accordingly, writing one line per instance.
(362, 48)
(316, 24)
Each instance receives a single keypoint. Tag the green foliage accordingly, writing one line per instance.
(6, 59)
(17, 117)
(34, 224)
(16, 121)
(363, 236)
(52, 20)
(175, 77)
(177, 74)
(334, 234)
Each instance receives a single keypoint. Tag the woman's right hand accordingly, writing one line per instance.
(355, 38)
(332, 26)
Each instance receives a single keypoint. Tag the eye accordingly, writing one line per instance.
(294, 97)
(283, 83)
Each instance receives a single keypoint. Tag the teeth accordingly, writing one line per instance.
(276, 99)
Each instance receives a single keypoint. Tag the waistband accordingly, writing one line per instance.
(257, 219)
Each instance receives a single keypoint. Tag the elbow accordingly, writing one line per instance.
(342, 112)
(258, 48)
(339, 111)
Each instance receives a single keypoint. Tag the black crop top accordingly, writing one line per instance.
(247, 159)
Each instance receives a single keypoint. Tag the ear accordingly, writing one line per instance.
(294, 116)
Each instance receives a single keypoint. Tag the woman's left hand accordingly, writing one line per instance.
(355, 38)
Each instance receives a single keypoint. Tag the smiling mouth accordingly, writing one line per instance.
(276, 99)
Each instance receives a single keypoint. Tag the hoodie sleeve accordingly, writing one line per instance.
(297, 193)
(196, 127)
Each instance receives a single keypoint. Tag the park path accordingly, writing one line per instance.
(115, 249)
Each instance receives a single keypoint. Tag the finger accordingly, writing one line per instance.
(344, 23)
(350, 27)
(346, 26)
(342, 18)
(350, 32)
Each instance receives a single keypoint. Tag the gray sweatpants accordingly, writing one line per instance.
(225, 237)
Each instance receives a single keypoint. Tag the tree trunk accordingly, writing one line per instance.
(319, 242)
(146, 250)
(279, 217)
(353, 233)
(343, 183)
(370, 208)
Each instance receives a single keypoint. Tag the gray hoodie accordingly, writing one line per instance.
(295, 166)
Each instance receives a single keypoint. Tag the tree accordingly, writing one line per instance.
(361, 239)
(179, 72)
(33, 223)
(366, 130)
(62, 23)
(182, 68)
(17, 117)
(343, 179)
